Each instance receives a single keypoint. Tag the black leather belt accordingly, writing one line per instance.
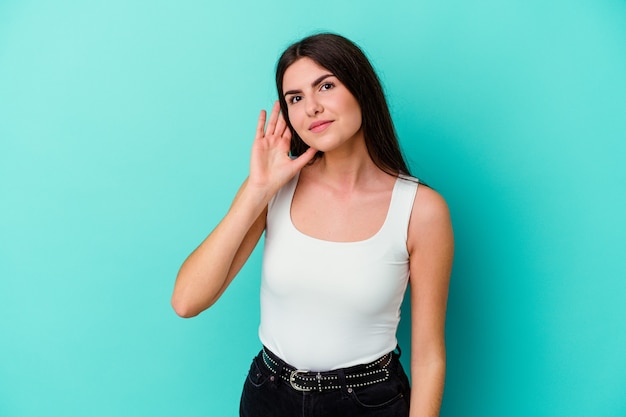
(360, 376)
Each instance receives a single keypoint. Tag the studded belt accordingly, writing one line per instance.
(300, 380)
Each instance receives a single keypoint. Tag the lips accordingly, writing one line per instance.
(319, 126)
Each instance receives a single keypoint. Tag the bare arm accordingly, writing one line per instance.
(207, 272)
(431, 250)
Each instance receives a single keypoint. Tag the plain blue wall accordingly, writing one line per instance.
(125, 130)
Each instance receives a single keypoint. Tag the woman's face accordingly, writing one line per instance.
(320, 108)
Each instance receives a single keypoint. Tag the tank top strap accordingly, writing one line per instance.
(401, 206)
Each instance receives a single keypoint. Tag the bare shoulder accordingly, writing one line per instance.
(429, 206)
(430, 220)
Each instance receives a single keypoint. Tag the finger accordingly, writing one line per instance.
(271, 125)
(287, 134)
(260, 125)
(285, 140)
(281, 125)
(304, 158)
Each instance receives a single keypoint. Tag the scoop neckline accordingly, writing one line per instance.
(338, 242)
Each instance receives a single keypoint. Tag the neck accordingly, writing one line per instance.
(347, 169)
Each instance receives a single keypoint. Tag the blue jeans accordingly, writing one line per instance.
(265, 394)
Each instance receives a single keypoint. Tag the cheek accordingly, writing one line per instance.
(352, 110)
(356, 119)
(295, 119)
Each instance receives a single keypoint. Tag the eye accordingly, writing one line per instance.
(326, 86)
(294, 99)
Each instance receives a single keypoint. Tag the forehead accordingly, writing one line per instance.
(303, 71)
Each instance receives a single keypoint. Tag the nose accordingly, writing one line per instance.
(313, 106)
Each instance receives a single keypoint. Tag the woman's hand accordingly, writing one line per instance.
(271, 167)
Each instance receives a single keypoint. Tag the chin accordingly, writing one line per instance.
(321, 144)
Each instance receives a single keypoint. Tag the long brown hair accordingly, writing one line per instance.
(348, 63)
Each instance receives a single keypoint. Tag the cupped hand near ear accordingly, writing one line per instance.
(271, 167)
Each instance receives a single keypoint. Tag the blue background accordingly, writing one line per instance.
(125, 129)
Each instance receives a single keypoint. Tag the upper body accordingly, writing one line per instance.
(345, 304)
(343, 194)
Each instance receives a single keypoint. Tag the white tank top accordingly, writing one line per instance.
(328, 305)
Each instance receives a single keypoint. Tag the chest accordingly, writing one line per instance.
(340, 217)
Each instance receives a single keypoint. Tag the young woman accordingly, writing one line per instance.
(346, 229)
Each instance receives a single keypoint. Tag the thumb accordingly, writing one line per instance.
(304, 158)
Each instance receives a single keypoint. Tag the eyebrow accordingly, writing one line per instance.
(313, 84)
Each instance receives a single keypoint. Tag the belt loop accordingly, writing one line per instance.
(341, 377)
(279, 372)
